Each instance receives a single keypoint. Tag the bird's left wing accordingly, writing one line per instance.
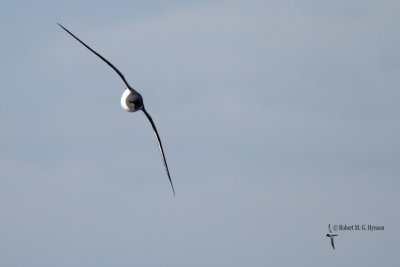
(159, 146)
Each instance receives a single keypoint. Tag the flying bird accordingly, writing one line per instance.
(131, 101)
(331, 235)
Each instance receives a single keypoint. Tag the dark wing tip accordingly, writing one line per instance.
(173, 190)
(61, 26)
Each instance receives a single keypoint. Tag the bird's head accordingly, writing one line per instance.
(131, 101)
(327, 235)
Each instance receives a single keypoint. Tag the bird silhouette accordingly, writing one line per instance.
(131, 101)
(331, 235)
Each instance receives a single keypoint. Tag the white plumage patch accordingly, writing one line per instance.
(125, 104)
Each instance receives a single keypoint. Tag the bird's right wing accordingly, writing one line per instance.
(101, 57)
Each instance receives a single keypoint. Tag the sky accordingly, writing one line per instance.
(277, 119)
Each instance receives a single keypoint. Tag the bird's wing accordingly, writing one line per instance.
(159, 146)
(329, 227)
(100, 56)
(333, 244)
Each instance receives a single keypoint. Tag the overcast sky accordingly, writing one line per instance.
(277, 119)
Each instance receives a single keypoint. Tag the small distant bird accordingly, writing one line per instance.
(331, 235)
(131, 101)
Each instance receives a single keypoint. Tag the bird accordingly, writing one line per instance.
(331, 235)
(131, 101)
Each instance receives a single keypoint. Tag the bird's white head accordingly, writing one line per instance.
(131, 101)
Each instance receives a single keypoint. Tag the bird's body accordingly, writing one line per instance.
(131, 101)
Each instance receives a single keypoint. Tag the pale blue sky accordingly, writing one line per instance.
(277, 118)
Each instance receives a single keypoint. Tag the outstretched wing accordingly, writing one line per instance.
(102, 58)
(333, 244)
(159, 146)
